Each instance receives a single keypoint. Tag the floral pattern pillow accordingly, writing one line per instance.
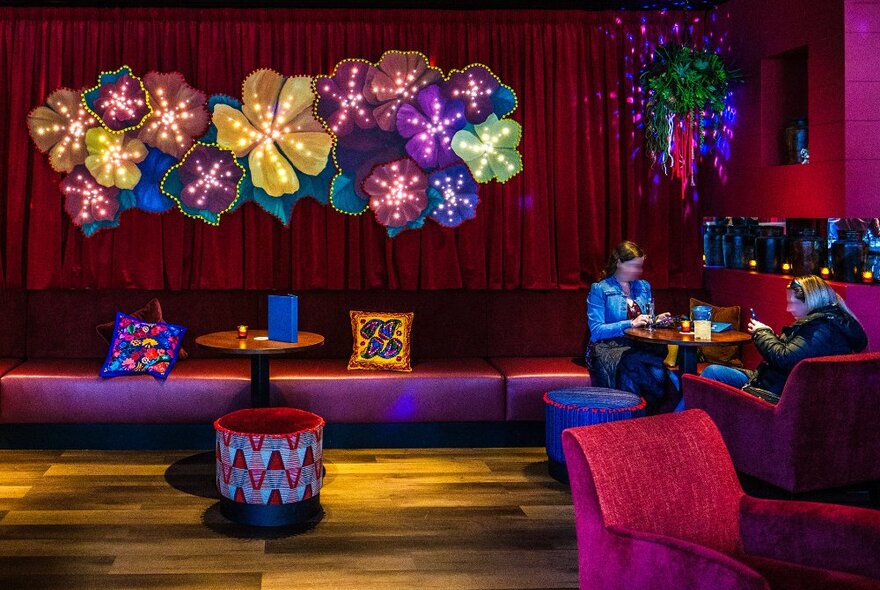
(142, 347)
(381, 341)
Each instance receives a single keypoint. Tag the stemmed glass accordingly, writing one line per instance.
(650, 312)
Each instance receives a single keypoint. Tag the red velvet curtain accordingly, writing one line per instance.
(586, 183)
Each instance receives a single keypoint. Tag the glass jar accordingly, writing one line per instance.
(713, 244)
(770, 249)
(848, 256)
(807, 253)
(739, 247)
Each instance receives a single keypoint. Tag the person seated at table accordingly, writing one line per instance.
(616, 303)
(824, 326)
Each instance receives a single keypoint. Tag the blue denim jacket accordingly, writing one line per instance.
(606, 307)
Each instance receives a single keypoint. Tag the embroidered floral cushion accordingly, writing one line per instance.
(142, 347)
(150, 312)
(381, 341)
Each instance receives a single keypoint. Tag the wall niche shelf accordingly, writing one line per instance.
(784, 106)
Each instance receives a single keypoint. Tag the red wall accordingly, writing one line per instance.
(840, 40)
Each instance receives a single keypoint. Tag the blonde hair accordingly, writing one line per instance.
(816, 293)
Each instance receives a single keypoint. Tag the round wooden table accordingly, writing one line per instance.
(259, 351)
(687, 344)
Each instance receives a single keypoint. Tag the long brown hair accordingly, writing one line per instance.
(623, 252)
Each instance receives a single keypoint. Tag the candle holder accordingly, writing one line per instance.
(685, 325)
(753, 264)
(825, 272)
(868, 277)
(786, 267)
(242, 331)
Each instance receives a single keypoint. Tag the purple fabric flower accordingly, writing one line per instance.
(341, 100)
(474, 86)
(459, 192)
(395, 81)
(430, 124)
(122, 103)
(86, 201)
(210, 179)
(397, 192)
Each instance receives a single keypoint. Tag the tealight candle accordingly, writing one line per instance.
(786, 267)
(867, 277)
(685, 325)
(825, 272)
(753, 264)
(242, 331)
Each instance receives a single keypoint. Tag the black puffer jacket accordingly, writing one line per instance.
(826, 331)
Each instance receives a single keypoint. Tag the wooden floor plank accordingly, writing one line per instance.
(397, 518)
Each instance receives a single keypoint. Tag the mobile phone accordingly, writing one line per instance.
(752, 311)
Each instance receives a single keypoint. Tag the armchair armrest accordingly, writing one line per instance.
(656, 562)
(700, 392)
(828, 536)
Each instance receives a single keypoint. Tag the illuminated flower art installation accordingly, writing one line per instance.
(113, 158)
(60, 129)
(206, 183)
(490, 149)
(394, 81)
(276, 129)
(393, 136)
(179, 114)
(119, 101)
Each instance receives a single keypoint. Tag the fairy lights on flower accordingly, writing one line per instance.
(458, 190)
(60, 128)
(475, 87)
(206, 183)
(86, 201)
(179, 114)
(341, 98)
(490, 151)
(119, 101)
(277, 131)
(396, 79)
(431, 127)
(397, 192)
(113, 158)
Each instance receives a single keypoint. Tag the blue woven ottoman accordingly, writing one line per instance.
(582, 406)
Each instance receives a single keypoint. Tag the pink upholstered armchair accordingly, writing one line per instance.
(658, 507)
(822, 434)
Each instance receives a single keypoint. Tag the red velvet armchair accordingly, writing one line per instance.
(822, 434)
(658, 506)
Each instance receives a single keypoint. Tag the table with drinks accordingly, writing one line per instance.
(689, 335)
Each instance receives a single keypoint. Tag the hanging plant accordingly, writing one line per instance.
(687, 90)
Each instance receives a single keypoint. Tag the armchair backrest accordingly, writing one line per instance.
(829, 409)
(669, 474)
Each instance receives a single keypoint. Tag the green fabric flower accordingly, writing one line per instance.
(489, 150)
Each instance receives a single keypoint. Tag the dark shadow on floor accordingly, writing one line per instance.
(859, 495)
(539, 473)
(213, 519)
(194, 475)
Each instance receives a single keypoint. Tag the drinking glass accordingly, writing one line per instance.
(650, 311)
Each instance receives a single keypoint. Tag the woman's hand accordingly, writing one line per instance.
(663, 316)
(755, 325)
(640, 321)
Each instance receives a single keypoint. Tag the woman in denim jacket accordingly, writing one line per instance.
(616, 303)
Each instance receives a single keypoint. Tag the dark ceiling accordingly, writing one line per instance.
(394, 4)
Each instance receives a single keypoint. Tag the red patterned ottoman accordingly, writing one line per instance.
(269, 467)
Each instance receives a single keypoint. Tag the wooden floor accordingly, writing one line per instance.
(425, 518)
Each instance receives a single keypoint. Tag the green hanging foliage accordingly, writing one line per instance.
(681, 81)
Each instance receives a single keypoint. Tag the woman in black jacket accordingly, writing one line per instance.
(824, 326)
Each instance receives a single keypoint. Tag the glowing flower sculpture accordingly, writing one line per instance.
(394, 81)
(490, 150)
(119, 101)
(113, 158)
(60, 129)
(481, 91)
(179, 114)
(206, 183)
(431, 126)
(276, 130)
(398, 195)
(341, 98)
(90, 205)
(458, 193)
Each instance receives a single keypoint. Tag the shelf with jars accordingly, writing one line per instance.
(839, 249)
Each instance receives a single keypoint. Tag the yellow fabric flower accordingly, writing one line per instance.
(113, 158)
(276, 129)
